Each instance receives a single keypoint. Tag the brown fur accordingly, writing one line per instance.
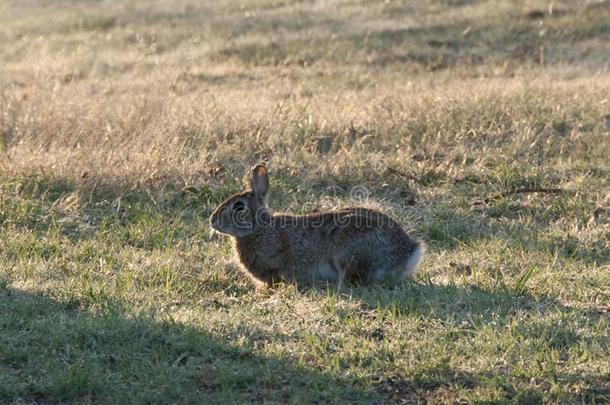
(360, 245)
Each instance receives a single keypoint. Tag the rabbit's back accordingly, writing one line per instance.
(362, 244)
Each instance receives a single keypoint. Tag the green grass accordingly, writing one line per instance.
(123, 125)
(141, 308)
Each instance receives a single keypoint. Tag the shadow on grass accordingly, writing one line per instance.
(51, 351)
(469, 305)
(467, 311)
(442, 385)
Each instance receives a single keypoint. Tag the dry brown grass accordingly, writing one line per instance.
(142, 92)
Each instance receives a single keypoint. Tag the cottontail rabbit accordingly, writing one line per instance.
(357, 244)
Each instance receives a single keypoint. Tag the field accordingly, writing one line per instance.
(482, 127)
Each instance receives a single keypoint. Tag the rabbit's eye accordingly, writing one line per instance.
(238, 206)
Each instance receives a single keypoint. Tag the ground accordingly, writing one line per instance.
(482, 127)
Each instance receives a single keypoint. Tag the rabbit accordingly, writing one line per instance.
(360, 245)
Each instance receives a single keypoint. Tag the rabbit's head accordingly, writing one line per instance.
(240, 214)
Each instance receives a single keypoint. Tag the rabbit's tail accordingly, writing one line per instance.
(416, 257)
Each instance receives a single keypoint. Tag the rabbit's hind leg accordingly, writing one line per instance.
(325, 271)
(351, 268)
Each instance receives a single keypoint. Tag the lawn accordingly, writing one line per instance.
(482, 127)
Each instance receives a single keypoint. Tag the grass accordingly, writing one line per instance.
(122, 126)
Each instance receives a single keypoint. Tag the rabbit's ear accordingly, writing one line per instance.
(260, 180)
